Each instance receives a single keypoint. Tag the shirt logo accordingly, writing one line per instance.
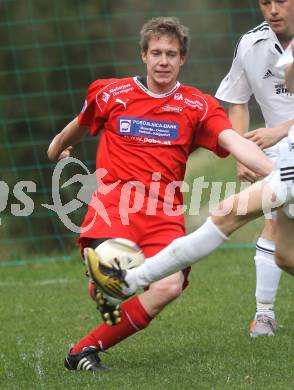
(105, 97)
(281, 89)
(169, 108)
(178, 96)
(125, 125)
(148, 128)
(121, 102)
(194, 103)
(268, 74)
(125, 88)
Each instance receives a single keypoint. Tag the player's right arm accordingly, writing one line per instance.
(62, 144)
(245, 151)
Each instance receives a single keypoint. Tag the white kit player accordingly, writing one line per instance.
(254, 72)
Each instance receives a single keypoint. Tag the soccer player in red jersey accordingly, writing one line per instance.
(149, 126)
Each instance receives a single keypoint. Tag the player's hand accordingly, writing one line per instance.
(66, 153)
(54, 154)
(265, 137)
(245, 174)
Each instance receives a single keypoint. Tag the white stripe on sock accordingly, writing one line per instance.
(131, 322)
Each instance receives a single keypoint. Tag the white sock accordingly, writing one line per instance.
(178, 255)
(267, 277)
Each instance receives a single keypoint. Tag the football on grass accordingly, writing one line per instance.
(126, 252)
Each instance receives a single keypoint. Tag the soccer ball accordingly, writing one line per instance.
(119, 253)
(126, 252)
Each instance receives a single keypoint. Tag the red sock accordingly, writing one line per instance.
(134, 318)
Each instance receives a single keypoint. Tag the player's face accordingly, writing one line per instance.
(280, 16)
(163, 60)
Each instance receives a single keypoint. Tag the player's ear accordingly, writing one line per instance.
(183, 60)
(144, 56)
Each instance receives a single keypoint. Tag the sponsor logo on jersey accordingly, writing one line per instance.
(169, 108)
(268, 74)
(178, 96)
(148, 128)
(281, 90)
(105, 97)
(121, 89)
(122, 102)
(148, 140)
(125, 125)
(84, 106)
(194, 103)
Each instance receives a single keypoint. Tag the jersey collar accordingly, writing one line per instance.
(276, 47)
(156, 95)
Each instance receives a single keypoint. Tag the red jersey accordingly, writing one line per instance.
(144, 132)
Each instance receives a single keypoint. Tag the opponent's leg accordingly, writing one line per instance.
(178, 255)
(231, 214)
(267, 281)
(285, 242)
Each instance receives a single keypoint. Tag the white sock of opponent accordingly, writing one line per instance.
(267, 277)
(178, 255)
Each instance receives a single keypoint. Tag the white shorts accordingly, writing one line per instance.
(281, 180)
(273, 152)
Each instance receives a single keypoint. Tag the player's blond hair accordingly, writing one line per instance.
(165, 25)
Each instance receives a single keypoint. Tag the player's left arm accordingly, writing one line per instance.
(290, 72)
(265, 137)
(245, 151)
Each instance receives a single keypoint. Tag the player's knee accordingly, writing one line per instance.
(225, 223)
(223, 209)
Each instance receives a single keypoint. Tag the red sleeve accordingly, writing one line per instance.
(213, 122)
(93, 114)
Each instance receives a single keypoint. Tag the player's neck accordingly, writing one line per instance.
(284, 40)
(143, 81)
(157, 88)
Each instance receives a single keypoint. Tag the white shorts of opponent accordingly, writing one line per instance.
(273, 152)
(281, 180)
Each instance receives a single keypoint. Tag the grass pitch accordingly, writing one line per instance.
(199, 342)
